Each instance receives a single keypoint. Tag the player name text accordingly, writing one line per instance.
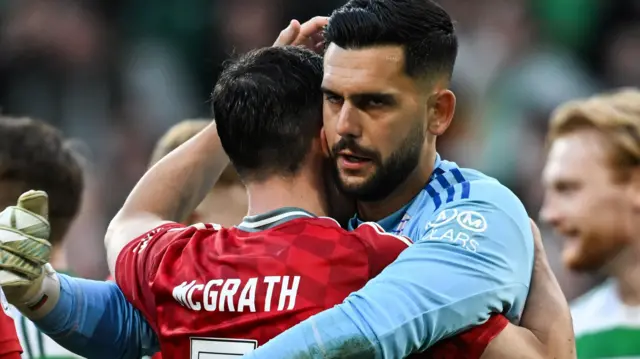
(235, 295)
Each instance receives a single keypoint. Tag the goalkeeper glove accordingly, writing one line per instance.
(28, 281)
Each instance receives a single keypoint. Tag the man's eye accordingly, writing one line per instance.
(375, 103)
(333, 99)
(567, 188)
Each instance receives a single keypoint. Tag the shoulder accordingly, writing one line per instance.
(163, 244)
(487, 189)
(452, 184)
(477, 210)
(595, 303)
(473, 196)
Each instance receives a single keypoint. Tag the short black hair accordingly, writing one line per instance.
(267, 106)
(422, 27)
(35, 155)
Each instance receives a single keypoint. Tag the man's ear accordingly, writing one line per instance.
(634, 189)
(442, 106)
(324, 144)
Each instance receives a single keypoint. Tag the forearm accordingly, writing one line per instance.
(517, 343)
(169, 191)
(547, 330)
(327, 335)
(547, 315)
(391, 320)
(183, 178)
(93, 319)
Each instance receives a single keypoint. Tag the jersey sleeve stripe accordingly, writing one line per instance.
(447, 180)
(443, 181)
(436, 198)
(466, 189)
(458, 175)
(451, 191)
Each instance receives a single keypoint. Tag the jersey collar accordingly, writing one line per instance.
(392, 222)
(273, 218)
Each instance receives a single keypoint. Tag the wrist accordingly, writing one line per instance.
(40, 298)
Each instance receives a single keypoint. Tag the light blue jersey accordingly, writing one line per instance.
(93, 319)
(473, 256)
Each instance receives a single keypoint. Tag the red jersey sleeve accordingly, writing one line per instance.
(138, 262)
(383, 247)
(472, 343)
(9, 344)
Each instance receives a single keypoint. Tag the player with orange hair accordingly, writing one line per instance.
(592, 199)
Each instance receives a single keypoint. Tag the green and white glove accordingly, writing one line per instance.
(25, 274)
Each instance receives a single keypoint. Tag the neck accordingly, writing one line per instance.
(405, 192)
(278, 192)
(626, 270)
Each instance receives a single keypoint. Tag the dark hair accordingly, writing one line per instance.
(422, 27)
(35, 155)
(268, 109)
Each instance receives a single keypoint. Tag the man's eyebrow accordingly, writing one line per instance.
(327, 91)
(387, 94)
(374, 94)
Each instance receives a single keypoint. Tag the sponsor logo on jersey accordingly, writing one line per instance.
(472, 221)
(443, 218)
(235, 295)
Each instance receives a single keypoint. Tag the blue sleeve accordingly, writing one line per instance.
(93, 319)
(473, 257)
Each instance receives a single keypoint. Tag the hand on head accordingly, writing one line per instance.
(308, 35)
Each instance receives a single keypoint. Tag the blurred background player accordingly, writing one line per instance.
(33, 154)
(592, 200)
(9, 343)
(228, 189)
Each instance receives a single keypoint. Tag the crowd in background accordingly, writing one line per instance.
(115, 75)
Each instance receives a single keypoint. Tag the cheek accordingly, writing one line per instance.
(386, 137)
(605, 219)
(329, 121)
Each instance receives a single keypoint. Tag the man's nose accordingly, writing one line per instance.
(349, 124)
(550, 214)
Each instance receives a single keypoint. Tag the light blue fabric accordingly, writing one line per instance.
(472, 256)
(93, 319)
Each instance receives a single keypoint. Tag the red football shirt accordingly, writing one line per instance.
(212, 290)
(9, 343)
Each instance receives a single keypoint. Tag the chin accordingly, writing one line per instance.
(351, 185)
(579, 262)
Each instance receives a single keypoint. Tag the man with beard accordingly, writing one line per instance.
(592, 199)
(387, 68)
